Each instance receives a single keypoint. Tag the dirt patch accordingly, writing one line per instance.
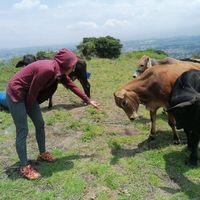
(121, 129)
(65, 140)
(78, 112)
(93, 192)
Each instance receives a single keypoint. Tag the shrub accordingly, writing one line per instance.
(102, 47)
(44, 54)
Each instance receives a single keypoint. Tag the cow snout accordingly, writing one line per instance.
(134, 75)
(133, 116)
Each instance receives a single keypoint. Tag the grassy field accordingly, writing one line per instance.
(101, 154)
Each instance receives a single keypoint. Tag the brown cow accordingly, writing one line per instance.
(145, 62)
(152, 89)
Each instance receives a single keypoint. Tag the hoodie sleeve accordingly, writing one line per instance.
(39, 81)
(68, 83)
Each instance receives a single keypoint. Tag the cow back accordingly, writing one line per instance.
(186, 89)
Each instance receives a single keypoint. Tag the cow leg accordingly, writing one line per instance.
(153, 125)
(86, 85)
(172, 122)
(188, 135)
(194, 142)
(50, 102)
(81, 74)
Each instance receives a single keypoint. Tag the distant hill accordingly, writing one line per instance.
(6, 54)
(180, 47)
(177, 47)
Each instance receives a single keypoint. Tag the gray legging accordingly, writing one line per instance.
(19, 115)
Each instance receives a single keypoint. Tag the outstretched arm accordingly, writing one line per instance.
(68, 83)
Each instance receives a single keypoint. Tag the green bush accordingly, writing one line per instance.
(102, 47)
(44, 54)
(87, 49)
(153, 53)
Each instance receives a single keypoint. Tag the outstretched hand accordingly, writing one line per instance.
(94, 104)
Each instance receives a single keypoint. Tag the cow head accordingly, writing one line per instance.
(27, 59)
(128, 101)
(143, 64)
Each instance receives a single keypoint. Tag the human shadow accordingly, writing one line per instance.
(162, 139)
(63, 106)
(176, 168)
(46, 169)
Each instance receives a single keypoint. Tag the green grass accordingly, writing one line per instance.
(101, 154)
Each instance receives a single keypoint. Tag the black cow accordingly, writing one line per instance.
(79, 72)
(191, 60)
(27, 59)
(185, 106)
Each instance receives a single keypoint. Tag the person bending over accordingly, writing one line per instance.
(28, 88)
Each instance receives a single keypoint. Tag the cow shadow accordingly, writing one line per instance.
(162, 140)
(176, 169)
(160, 115)
(46, 169)
(142, 120)
(63, 106)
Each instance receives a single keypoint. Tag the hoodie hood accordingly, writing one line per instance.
(66, 59)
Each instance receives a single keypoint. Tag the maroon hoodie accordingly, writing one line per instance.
(39, 80)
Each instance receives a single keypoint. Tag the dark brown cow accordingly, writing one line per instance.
(152, 89)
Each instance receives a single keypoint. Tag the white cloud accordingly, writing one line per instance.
(29, 4)
(43, 7)
(88, 24)
(26, 4)
(72, 20)
(114, 23)
(83, 25)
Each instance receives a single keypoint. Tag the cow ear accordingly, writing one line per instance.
(120, 94)
(149, 62)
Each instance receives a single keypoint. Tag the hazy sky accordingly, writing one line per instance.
(41, 22)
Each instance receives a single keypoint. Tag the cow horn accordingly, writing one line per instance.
(184, 104)
(180, 105)
(120, 94)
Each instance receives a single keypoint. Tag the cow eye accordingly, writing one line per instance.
(141, 65)
(124, 103)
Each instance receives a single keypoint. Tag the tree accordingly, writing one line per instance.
(102, 47)
(87, 48)
(108, 47)
(44, 55)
